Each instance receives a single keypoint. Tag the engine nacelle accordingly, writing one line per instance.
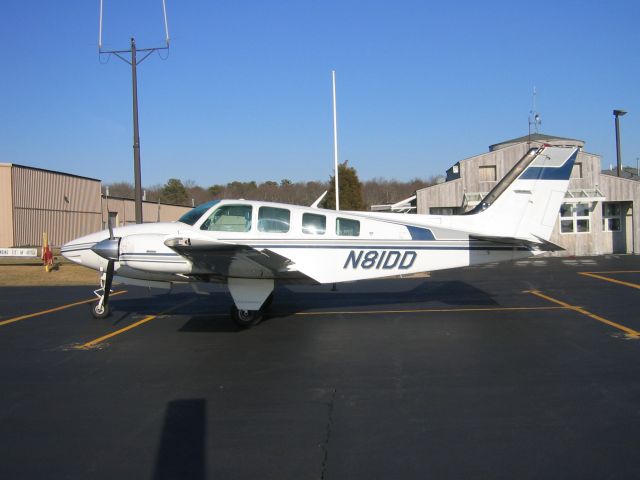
(148, 252)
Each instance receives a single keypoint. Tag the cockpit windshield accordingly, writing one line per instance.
(192, 216)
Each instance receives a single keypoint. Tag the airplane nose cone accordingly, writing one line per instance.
(108, 248)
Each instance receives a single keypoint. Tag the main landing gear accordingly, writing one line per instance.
(246, 318)
(250, 318)
(251, 298)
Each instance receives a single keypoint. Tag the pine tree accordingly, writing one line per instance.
(174, 192)
(350, 190)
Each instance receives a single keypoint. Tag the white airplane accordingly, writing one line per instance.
(250, 245)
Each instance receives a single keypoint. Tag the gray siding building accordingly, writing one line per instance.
(601, 212)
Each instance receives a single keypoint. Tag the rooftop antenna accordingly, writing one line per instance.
(129, 56)
(534, 116)
(335, 139)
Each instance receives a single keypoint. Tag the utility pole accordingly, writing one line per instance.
(136, 135)
(133, 61)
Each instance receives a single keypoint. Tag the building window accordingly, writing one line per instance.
(576, 171)
(347, 227)
(314, 224)
(442, 210)
(273, 220)
(611, 218)
(574, 218)
(487, 173)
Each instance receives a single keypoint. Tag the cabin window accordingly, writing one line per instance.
(274, 220)
(611, 218)
(192, 216)
(229, 218)
(574, 218)
(347, 227)
(314, 224)
(487, 173)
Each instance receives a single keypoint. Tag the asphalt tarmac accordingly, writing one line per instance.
(521, 370)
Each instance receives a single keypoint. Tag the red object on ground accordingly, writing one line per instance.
(47, 256)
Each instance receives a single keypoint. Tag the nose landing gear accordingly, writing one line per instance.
(101, 309)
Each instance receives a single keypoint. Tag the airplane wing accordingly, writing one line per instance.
(225, 259)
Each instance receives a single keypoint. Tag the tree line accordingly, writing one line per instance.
(354, 194)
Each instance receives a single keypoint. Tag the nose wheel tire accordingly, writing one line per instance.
(245, 318)
(99, 311)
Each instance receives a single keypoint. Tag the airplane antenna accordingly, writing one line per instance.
(129, 56)
(534, 116)
(335, 139)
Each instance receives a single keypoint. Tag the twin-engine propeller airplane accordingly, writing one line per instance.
(251, 245)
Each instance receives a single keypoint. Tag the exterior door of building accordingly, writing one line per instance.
(617, 222)
(628, 225)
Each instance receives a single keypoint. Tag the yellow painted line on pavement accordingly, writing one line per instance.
(616, 271)
(56, 309)
(627, 330)
(612, 280)
(434, 310)
(146, 319)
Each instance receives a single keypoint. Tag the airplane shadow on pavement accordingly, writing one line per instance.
(211, 313)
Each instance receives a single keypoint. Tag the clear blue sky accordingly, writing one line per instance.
(245, 93)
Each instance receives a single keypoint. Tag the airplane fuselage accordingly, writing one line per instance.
(297, 242)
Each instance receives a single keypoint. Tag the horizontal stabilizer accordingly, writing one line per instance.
(540, 245)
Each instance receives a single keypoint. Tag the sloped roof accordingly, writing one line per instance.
(536, 137)
(629, 173)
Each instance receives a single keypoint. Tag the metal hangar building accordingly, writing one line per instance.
(66, 206)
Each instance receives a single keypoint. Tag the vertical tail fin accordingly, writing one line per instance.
(526, 202)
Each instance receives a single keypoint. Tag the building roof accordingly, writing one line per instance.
(629, 173)
(536, 137)
(50, 171)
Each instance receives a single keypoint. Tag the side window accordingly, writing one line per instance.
(487, 173)
(346, 227)
(273, 220)
(576, 171)
(229, 218)
(574, 218)
(314, 224)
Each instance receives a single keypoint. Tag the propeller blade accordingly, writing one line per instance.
(110, 226)
(107, 281)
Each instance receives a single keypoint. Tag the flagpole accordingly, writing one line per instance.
(335, 140)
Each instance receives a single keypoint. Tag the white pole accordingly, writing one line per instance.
(166, 24)
(335, 139)
(100, 29)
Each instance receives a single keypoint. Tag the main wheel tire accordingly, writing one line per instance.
(245, 318)
(100, 312)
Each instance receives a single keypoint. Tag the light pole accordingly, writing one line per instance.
(133, 61)
(617, 114)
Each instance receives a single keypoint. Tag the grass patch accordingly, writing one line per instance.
(20, 272)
